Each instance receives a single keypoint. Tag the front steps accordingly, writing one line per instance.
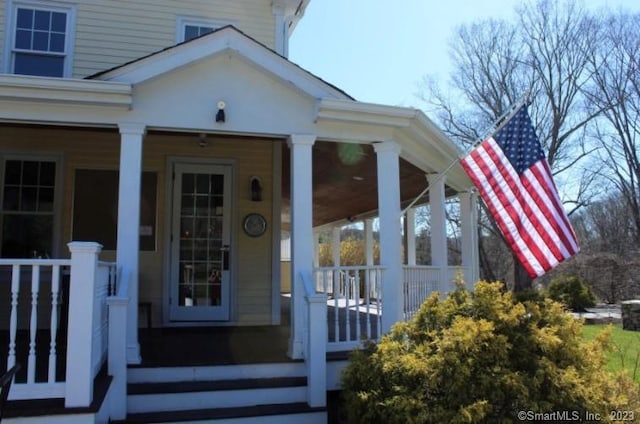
(251, 393)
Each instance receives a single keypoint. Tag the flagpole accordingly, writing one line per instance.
(495, 127)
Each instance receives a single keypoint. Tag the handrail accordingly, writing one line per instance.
(306, 282)
(348, 268)
(122, 280)
(35, 261)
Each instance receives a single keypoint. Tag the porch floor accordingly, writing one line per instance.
(194, 346)
(210, 346)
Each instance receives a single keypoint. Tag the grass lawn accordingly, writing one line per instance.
(625, 354)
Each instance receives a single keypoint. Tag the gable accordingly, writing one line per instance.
(179, 87)
(256, 101)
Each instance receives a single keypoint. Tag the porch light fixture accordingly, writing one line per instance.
(255, 187)
(220, 114)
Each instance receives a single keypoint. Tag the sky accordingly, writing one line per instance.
(378, 51)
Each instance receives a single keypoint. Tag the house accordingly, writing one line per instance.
(152, 155)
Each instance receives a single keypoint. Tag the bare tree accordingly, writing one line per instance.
(496, 63)
(616, 90)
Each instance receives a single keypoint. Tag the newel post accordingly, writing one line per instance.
(117, 359)
(79, 376)
(316, 354)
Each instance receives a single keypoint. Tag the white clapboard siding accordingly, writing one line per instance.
(113, 32)
(109, 33)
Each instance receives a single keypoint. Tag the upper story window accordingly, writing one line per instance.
(40, 39)
(194, 31)
(190, 28)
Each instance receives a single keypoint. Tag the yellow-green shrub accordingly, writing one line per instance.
(482, 357)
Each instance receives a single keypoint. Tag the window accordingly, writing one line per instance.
(190, 28)
(194, 31)
(40, 40)
(27, 210)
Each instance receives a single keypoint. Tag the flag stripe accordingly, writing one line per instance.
(552, 193)
(546, 207)
(537, 230)
(473, 165)
(515, 181)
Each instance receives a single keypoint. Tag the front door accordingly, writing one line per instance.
(200, 243)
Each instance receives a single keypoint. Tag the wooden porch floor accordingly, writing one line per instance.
(197, 346)
(190, 346)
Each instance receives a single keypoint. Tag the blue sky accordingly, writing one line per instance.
(379, 50)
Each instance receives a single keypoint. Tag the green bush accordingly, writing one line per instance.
(482, 357)
(572, 292)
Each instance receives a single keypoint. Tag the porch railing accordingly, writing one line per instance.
(420, 281)
(37, 289)
(56, 306)
(354, 304)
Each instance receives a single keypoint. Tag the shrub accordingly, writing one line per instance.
(483, 357)
(572, 292)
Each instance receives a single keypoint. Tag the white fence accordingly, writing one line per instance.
(35, 301)
(354, 304)
(50, 302)
(421, 281)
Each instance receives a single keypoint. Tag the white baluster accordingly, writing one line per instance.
(336, 318)
(13, 321)
(35, 288)
(55, 290)
(367, 300)
(347, 300)
(380, 300)
(357, 301)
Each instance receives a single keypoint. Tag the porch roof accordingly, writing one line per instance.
(345, 183)
(267, 95)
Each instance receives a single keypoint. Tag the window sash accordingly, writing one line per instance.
(28, 207)
(40, 39)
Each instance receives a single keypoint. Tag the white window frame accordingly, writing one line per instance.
(183, 21)
(11, 13)
(56, 232)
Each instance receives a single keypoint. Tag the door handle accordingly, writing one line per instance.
(225, 257)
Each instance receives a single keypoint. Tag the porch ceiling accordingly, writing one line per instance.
(345, 183)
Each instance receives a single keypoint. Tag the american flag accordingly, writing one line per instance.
(514, 179)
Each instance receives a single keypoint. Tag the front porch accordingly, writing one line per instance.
(62, 350)
(189, 211)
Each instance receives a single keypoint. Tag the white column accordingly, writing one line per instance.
(301, 233)
(335, 245)
(388, 158)
(469, 236)
(127, 255)
(438, 228)
(79, 375)
(368, 241)
(438, 221)
(411, 236)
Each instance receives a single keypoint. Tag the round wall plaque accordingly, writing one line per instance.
(254, 225)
